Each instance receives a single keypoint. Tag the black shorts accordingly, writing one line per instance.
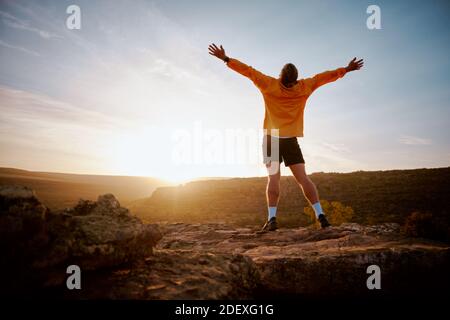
(289, 151)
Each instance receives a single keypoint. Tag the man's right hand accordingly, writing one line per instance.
(354, 65)
(217, 52)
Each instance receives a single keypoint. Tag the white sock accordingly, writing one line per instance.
(272, 212)
(317, 209)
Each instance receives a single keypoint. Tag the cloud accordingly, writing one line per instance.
(16, 23)
(336, 147)
(23, 107)
(415, 141)
(22, 49)
(321, 156)
(42, 132)
(171, 70)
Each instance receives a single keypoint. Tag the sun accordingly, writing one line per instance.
(145, 152)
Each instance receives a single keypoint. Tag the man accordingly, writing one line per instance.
(285, 100)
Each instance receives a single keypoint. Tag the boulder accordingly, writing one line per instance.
(38, 245)
(176, 275)
(98, 234)
(22, 216)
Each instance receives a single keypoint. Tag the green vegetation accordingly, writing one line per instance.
(425, 225)
(362, 197)
(417, 199)
(337, 212)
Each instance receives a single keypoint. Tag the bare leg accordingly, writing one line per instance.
(310, 192)
(272, 195)
(308, 187)
(273, 186)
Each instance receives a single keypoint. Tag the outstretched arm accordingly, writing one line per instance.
(330, 76)
(258, 78)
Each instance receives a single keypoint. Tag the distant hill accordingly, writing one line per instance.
(375, 196)
(60, 190)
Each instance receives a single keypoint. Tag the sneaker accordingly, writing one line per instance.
(270, 225)
(324, 222)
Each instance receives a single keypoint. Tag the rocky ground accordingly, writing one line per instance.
(218, 261)
(205, 261)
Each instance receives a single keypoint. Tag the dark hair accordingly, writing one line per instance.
(289, 75)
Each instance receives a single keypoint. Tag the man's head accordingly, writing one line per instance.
(288, 75)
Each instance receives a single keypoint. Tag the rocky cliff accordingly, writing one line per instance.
(218, 261)
(206, 261)
(37, 245)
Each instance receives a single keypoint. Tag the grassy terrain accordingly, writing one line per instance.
(60, 190)
(377, 196)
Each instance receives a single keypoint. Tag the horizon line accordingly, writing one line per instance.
(215, 177)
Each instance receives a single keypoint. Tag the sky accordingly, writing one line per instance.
(134, 91)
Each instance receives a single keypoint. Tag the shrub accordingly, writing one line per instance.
(418, 224)
(336, 212)
(425, 225)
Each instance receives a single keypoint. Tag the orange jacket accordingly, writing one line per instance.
(285, 106)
